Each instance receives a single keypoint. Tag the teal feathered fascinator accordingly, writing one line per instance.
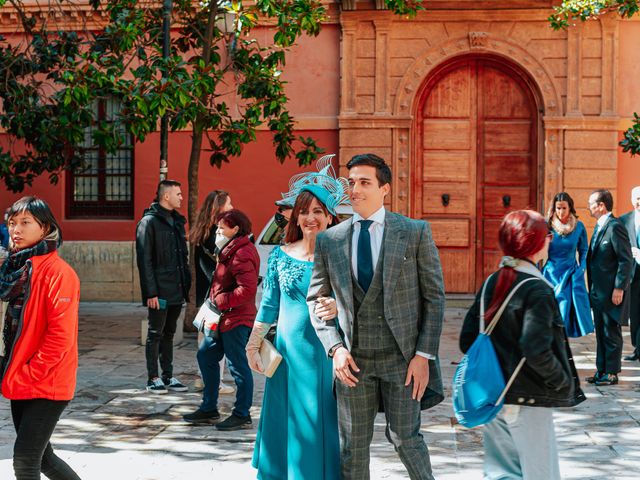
(324, 185)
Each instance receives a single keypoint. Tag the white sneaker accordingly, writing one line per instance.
(156, 385)
(226, 389)
(175, 385)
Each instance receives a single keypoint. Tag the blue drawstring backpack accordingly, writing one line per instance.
(478, 384)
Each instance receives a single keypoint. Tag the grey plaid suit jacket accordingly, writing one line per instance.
(413, 290)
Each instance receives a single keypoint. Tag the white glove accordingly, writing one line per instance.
(258, 333)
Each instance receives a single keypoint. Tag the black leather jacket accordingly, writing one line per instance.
(162, 256)
(530, 326)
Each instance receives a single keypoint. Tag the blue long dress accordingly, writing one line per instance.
(567, 276)
(297, 435)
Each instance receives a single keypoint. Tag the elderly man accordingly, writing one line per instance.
(631, 220)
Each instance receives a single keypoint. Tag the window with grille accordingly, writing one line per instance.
(104, 187)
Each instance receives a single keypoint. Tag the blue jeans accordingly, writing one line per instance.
(210, 352)
(35, 421)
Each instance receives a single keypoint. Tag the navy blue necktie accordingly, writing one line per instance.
(365, 260)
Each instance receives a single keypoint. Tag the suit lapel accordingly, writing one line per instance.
(394, 246)
(601, 234)
(343, 262)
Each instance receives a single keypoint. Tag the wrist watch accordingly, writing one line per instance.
(333, 349)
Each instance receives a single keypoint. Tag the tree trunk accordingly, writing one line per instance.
(194, 164)
(192, 210)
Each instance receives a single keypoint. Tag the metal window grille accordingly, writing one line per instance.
(104, 187)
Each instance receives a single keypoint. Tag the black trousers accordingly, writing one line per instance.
(608, 342)
(634, 311)
(35, 421)
(162, 328)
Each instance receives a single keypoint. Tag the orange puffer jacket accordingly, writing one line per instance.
(44, 358)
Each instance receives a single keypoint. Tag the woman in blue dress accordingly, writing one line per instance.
(298, 432)
(563, 270)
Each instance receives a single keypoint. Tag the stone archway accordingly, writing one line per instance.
(476, 43)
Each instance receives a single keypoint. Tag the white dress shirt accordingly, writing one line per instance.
(637, 225)
(602, 220)
(376, 232)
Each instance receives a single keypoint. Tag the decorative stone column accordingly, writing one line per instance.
(609, 64)
(382, 27)
(574, 70)
(348, 78)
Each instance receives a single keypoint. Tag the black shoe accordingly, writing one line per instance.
(632, 358)
(234, 422)
(202, 417)
(594, 378)
(607, 379)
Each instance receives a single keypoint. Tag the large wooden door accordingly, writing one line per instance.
(477, 140)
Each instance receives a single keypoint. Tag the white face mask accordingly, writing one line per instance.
(221, 240)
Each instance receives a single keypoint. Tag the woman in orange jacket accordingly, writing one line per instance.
(40, 337)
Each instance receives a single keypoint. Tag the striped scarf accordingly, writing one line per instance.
(14, 275)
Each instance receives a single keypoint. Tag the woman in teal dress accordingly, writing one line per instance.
(297, 435)
(565, 273)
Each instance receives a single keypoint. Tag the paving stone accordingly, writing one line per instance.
(114, 429)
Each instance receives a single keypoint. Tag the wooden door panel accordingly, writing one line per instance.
(445, 166)
(503, 97)
(459, 198)
(518, 166)
(457, 268)
(493, 203)
(451, 96)
(447, 134)
(491, 227)
(450, 233)
(491, 261)
(507, 136)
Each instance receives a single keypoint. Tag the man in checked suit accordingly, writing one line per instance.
(609, 267)
(384, 271)
(631, 221)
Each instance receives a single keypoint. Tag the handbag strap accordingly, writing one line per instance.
(496, 317)
(493, 324)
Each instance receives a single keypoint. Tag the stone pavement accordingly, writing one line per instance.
(115, 430)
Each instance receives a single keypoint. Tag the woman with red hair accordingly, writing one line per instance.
(520, 442)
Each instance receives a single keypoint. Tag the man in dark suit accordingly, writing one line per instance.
(609, 267)
(384, 271)
(631, 221)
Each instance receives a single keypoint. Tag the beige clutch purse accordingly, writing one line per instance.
(270, 357)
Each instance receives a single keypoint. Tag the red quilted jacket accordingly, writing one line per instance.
(235, 283)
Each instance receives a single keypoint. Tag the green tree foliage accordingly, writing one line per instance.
(224, 85)
(50, 78)
(571, 11)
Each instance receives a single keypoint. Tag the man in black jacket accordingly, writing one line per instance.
(631, 221)
(165, 279)
(609, 267)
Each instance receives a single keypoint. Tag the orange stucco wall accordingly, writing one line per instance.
(628, 91)
(255, 179)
